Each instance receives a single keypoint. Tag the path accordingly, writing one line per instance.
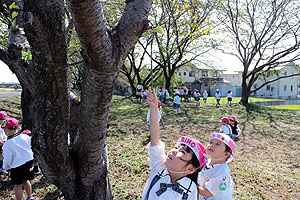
(10, 94)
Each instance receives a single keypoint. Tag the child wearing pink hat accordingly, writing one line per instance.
(3, 137)
(234, 127)
(229, 97)
(173, 175)
(197, 97)
(215, 182)
(226, 129)
(18, 157)
(218, 97)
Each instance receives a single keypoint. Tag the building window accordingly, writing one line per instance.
(272, 89)
(291, 88)
(284, 88)
(205, 74)
(285, 73)
(179, 73)
(268, 87)
(184, 73)
(191, 74)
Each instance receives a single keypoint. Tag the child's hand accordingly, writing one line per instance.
(152, 99)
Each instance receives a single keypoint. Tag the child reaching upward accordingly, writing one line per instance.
(215, 182)
(173, 176)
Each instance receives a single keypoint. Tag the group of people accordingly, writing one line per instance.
(230, 127)
(16, 156)
(190, 171)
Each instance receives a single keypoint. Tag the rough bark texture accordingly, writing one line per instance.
(79, 170)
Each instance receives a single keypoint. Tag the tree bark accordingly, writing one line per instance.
(78, 170)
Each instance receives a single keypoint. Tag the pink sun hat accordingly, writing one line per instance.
(9, 122)
(233, 118)
(159, 103)
(197, 148)
(227, 141)
(3, 115)
(225, 119)
(27, 132)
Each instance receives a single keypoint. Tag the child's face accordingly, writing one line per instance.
(216, 149)
(9, 132)
(178, 158)
(231, 122)
(223, 123)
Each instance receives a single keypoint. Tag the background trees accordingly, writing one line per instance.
(264, 34)
(79, 170)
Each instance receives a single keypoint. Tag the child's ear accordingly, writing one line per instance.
(190, 169)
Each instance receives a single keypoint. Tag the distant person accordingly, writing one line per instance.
(197, 97)
(139, 88)
(167, 97)
(218, 97)
(214, 181)
(173, 175)
(3, 138)
(18, 157)
(229, 97)
(226, 129)
(176, 103)
(234, 127)
(189, 95)
(204, 96)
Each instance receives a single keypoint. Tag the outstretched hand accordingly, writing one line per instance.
(152, 99)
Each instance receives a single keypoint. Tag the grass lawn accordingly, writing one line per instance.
(288, 107)
(267, 157)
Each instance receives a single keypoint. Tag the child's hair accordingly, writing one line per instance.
(195, 162)
(199, 158)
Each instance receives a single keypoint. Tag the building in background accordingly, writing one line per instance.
(285, 88)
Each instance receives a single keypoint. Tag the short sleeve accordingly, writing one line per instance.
(218, 184)
(156, 155)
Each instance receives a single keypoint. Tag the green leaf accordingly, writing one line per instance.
(14, 14)
(13, 6)
(4, 5)
(14, 23)
(159, 30)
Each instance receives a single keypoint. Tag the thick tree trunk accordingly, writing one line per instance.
(78, 170)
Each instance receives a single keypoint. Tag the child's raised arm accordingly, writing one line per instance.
(154, 126)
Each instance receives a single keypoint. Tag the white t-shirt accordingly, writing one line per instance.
(196, 94)
(205, 95)
(218, 95)
(2, 135)
(167, 95)
(17, 151)
(217, 180)
(229, 94)
(156, 162)
(226, 129)
(159, 114)
(177, 99)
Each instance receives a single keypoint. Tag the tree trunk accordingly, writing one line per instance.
(245, 92)
(26, 103)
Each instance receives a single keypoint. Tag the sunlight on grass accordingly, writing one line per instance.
(288, 107)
